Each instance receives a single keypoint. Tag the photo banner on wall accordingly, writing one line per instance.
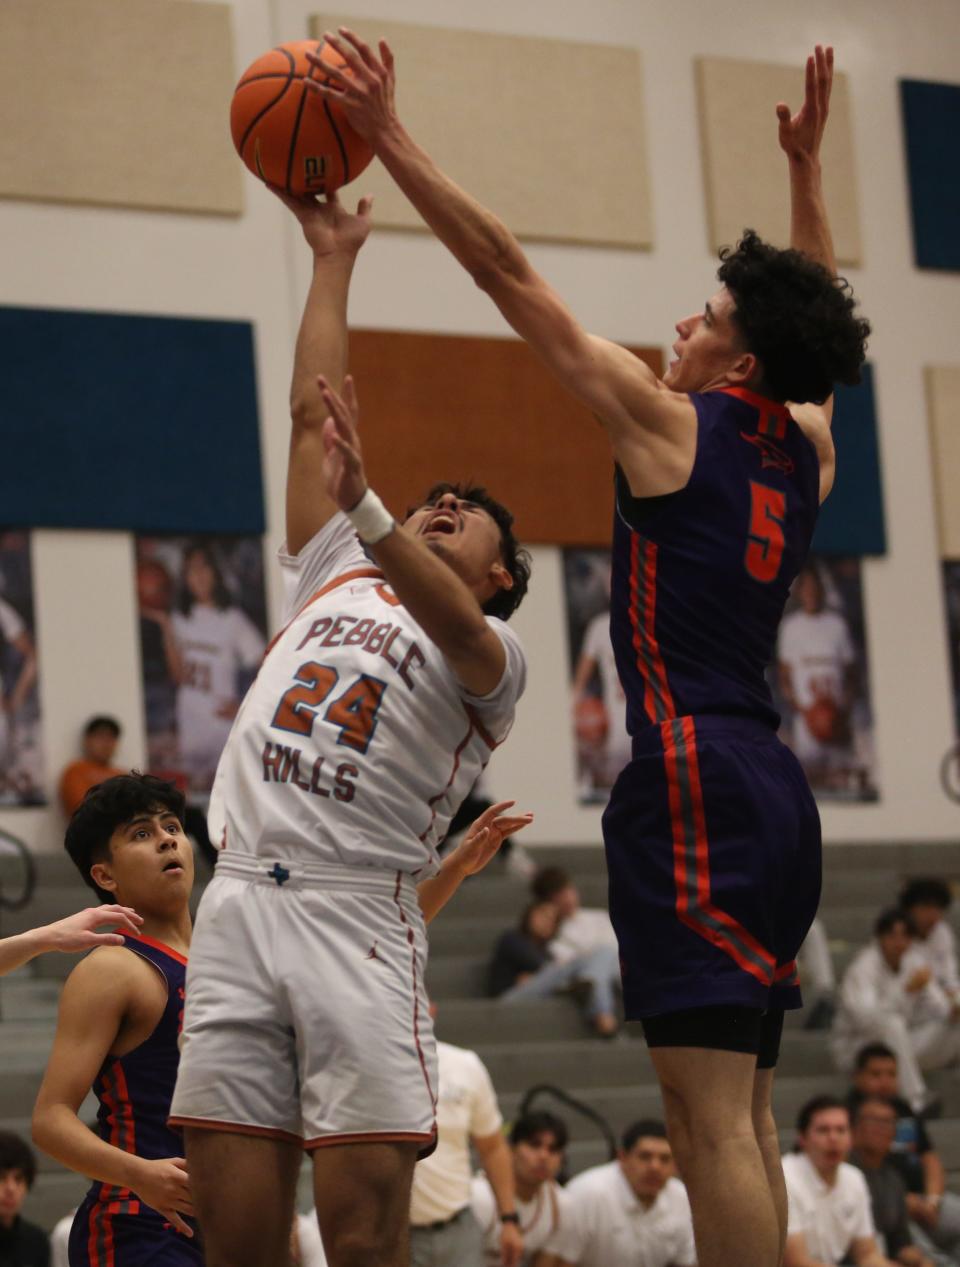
(203, 625)
(819, 679)
(21, 734)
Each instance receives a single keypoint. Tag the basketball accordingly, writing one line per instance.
(591, 721)
(822, 718)
(289, 136)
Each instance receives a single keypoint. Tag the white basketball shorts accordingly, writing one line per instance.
(306, 1016)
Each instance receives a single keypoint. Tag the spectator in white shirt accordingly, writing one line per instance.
(443, 1229)
(632, 1212)
(582, 930)
(889, 995)
(537, 1142)
(925, 904)
(829, 1219)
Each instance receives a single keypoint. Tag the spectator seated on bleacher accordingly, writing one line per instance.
(99, 744)
(522, 968)
(889, 995)
(537, 1142)
(829, 1216)
(874, 1128)
(925, 904)
(934, 1213)
(581, 929)
(632, 1212)
(22, 1244)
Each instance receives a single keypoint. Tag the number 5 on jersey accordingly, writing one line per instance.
(765, 540)
(353, 712)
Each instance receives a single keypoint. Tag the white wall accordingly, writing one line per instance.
(256, 268)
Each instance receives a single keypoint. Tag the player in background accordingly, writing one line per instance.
(375, 709)
(72, 935)
(117, 1032)
(712, 835)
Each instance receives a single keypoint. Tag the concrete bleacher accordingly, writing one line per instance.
(522, 1046)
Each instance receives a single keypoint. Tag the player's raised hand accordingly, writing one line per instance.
(366, 94)
(801, 133)
(329, 228)
(78, 932)
(342, 456)
(165, 1186)
(487, 833)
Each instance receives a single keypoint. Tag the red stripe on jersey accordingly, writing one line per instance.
(761, 403)
(657, 697)
(434, 800)
(694, 905)
(160, 945)
(479, 727)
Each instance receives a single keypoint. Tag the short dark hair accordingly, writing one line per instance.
(102, 722)
(16, 1154)
(888, 920)
(539, 1122)
(795, 317)
(872, 1051)
(515, 559)
(856, 1108)
(108, 806)
(548, 882)
(818, 1104)
(928, 891)
(646, 1127)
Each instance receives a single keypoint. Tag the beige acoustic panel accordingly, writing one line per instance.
(943, 412)
(548, 134)
(447, 407)
(745, 170)
(119, 102)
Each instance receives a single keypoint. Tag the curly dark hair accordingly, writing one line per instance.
(108, 806)
(796, 318)
(515, 559)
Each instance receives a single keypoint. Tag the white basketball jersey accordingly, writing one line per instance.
(356, 743)
(818, 648)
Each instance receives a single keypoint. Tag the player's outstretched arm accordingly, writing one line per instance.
(334, 237)
(97, 999)
(800, 136)
(620, 390)
(73, 934)
(435, 596)
(479, 845)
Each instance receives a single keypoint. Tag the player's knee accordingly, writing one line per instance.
(366, 1247)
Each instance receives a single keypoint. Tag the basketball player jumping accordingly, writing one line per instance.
(373, 713)
(712, 835)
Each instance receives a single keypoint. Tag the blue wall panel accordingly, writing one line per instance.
(931, 123)
(851, 519)
(128, 422)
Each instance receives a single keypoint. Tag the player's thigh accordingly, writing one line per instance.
(243, 1187)
(706, 1062)
(362, 1195)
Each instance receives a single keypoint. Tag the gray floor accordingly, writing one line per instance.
(522, 1046)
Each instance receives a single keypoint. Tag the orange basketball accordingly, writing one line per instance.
(823, 718)
(288, 135)
(590, 718)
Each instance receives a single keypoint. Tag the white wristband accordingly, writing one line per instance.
(371, 519)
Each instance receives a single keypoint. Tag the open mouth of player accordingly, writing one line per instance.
(445, 521)
(175, 867)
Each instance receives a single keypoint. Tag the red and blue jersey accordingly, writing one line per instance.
(701, 576)
(113, 1227)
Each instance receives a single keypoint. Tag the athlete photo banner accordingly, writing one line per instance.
(21, 737)
(202, 636)
(598, 707)
(821, 684)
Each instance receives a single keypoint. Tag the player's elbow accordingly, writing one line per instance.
(307, 412)
(503, 263)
